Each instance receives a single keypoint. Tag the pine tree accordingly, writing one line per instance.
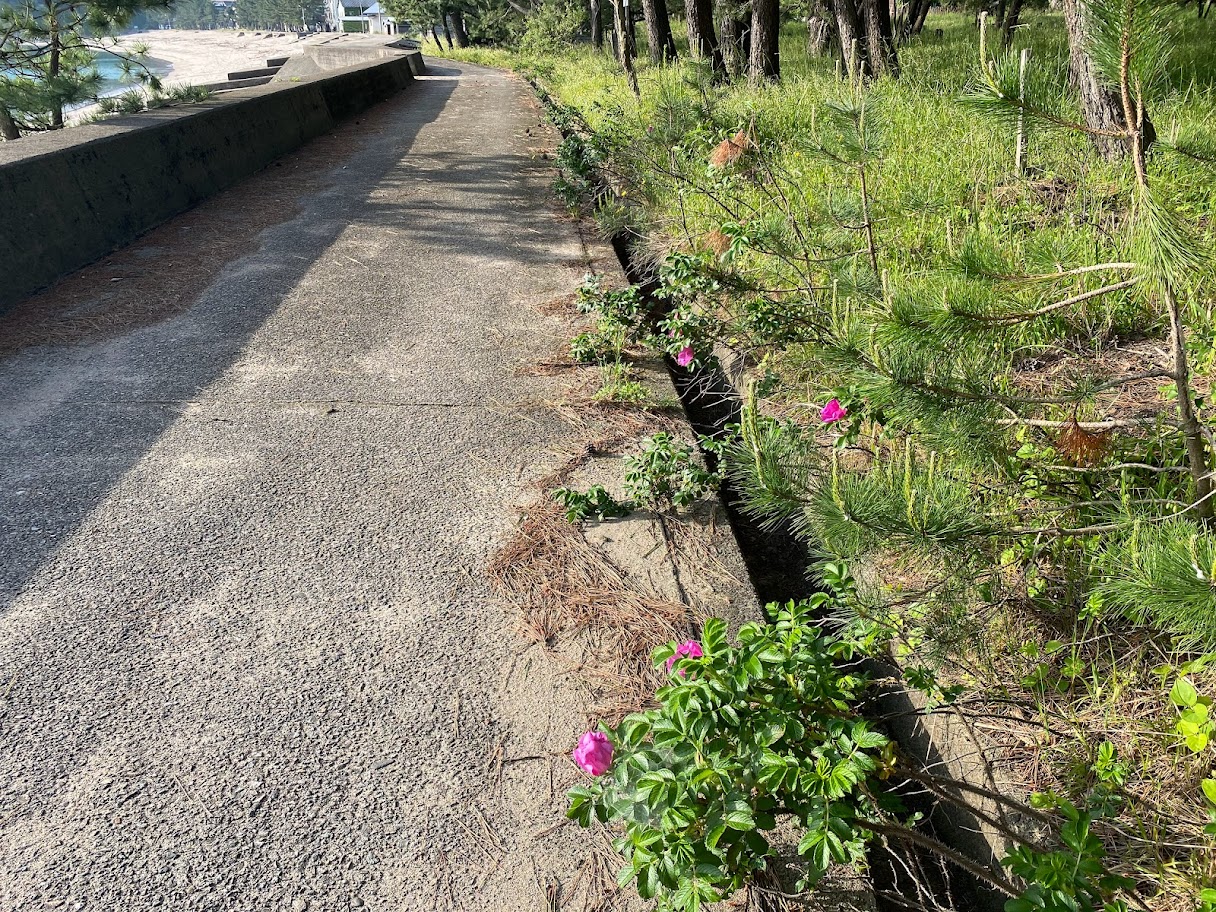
(952, 456)
(48, 52)
(963, 460)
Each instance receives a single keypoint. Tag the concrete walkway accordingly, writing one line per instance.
(251, 470)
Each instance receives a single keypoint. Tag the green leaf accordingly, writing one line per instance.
(1183, 693)
(740, 819)
(648, 882)
(1209, 789)
(770, 734)
(868, 739)
(713, 636)
(627, 874)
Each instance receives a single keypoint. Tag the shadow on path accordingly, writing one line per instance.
(95, 373)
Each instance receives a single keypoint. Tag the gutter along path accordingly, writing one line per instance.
(252, 469)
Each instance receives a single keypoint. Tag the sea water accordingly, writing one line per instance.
(112, 79)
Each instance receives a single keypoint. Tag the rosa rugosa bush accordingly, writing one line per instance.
(742, 736)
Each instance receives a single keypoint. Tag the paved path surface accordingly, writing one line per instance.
(250, 472)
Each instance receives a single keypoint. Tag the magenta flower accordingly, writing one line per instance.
(689, 648)
(833, 411)
(684, 358)
(594, 753)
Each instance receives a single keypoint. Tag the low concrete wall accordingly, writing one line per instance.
(71, 197)
(323, 58)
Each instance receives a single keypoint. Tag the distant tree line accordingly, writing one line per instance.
(737, 38)
(280, 15)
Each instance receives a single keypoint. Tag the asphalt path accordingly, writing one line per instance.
(251, 470)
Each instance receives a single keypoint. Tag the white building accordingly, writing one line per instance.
(359, 16)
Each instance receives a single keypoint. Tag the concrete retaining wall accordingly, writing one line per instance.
(71, 197)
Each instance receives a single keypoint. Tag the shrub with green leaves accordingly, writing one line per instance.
(667, 474)
(1071, 879)
(594, 348)
(594, 503)
(553, 26)
(762, 736)
(742, 736)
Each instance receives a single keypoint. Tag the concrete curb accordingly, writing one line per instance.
(69, 198)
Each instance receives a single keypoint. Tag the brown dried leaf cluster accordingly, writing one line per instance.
(716, 241)
(730, 150)
(1080, 447)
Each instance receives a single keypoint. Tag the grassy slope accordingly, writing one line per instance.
(946, 172)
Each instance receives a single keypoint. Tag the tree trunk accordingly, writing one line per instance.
(458, 29)
(702, 42)
(912, 19)
(733, 29)
(623, 43)
(8, 126)
(879, 38)
(631, 31)
(848, 32)
(435, 34)
(818, 36)
(597, 26)
(447, 32)
(820, 29)
(658, 31)
(766, 34)
(53, 70)
(1100, 104)
(1010, 22)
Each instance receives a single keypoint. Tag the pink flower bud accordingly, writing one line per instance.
(594, 753)
(684, 358)
(833, 411)
(689, 648)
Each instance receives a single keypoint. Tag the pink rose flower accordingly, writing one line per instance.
(833, 411)
(684, 358)
(594, 753)
(689, 648)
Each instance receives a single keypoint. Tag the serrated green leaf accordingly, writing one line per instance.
(739, 819)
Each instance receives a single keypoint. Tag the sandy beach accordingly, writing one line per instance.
(200, 57)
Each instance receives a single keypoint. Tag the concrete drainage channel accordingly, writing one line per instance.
(777, 565)
(904, 877)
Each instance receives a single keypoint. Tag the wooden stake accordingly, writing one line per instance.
(1019, 157)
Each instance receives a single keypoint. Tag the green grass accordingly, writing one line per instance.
(482, 56)
(948, 206)
(942, 162)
